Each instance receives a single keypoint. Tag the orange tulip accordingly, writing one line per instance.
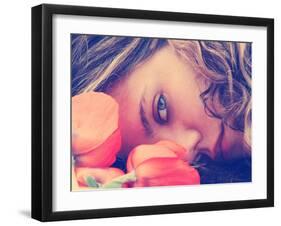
(161, 164)
(163, 148)
(180, 151)
(96, 137)
(165, 172)
(146, 151)
(100, 175)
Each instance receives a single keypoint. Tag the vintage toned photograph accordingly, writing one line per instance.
(149, 112)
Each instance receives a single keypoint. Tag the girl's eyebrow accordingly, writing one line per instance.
(145, 123)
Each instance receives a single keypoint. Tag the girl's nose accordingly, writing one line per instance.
(189, 139)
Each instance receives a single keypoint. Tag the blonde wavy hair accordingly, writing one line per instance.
(99, 62)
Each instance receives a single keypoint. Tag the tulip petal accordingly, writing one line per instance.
(165, 172)
(146, 151)
(180, 151)
(102, 156)
(95, 117)
(75, 185)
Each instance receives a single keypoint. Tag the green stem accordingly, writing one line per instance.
(118, 181)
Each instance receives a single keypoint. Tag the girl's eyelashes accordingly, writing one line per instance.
(160, 109)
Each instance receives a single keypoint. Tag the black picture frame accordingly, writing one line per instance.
(42, 107)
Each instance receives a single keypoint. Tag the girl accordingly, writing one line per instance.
(195, 93)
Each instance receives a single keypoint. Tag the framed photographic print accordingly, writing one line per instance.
(140, 112)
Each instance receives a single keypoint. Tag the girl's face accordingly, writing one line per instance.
(160, 99)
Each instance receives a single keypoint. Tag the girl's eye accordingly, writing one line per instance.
(160, 109)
